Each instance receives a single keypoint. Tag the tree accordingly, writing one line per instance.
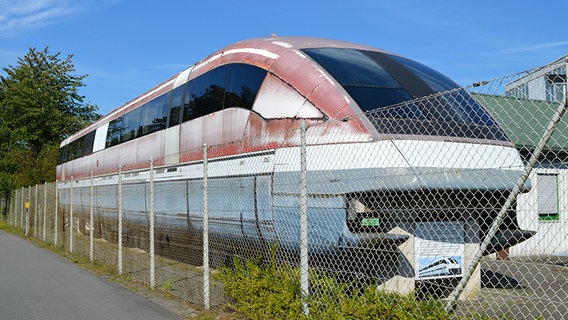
(40, 105)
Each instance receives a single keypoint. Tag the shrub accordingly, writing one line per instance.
(265, 289)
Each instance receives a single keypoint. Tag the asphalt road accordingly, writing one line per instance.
(37, 284)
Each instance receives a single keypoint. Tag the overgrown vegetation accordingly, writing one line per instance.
(263, 289)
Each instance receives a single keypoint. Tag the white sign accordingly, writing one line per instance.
(439, 249)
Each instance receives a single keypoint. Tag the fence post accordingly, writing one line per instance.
(120, 219)
(205, 230)
(13, 206)
(152, 262)
(56, 208)
(28, 211)
(18, 204)
(23, 209)
(35, 211)
(91, 221)
(44, 209)
(304, 284)
(71, 219)
(16, 208)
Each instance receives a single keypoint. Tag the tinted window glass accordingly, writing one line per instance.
(368, 83)
(243, 85)
(459, 106)
(72, 151)
(366, 97)
(212, 91)
(352, 67)
(62, 158)
(385, 85)
(79, 148)
(115, 131)
(175, 107)
(131, 125)
(195, 88)
(87, 142)
(451, 114)
(437, 81)
(153, 115)
(205, 94)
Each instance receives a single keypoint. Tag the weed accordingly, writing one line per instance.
(167, 286)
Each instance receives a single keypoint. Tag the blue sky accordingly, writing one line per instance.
(128, 47)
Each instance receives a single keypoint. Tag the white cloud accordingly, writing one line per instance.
(17, 16)
(527, 48)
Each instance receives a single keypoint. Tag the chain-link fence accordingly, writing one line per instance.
(463, 197)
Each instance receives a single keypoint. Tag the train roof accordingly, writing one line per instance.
(263, 52)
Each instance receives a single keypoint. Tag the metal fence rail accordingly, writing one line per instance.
(447, 202)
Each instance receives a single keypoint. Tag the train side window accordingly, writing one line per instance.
(131, 125)
(62, 154)
(72, 151)
(243, 85)
(212, 99)
(152, 115)
(175, 106)
(86, 144)
(114, 132)
(79, 148)
(205, 94)
(195, 88)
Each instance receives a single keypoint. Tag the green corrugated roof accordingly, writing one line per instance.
(525, 120)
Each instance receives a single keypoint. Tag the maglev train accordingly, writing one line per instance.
(390, 142)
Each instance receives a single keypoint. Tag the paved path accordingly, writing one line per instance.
(37, 284)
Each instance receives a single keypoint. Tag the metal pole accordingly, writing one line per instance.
(120, 219)
(23, 207)
(28, 211)
(71, 219)
(512, 197)
(56, 208)
(304, 284)
(205, 230)
(16, 209)
(44, 209)
(17, 206)
(152, 266)
(91, 221)
(35, 211)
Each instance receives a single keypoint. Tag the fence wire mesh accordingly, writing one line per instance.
(401, 197)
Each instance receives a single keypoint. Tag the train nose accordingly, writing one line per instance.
(507, 238)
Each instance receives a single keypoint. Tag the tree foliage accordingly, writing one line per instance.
(40, 105)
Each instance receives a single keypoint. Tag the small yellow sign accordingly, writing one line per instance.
(27, 204)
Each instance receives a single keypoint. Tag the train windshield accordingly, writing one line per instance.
(402, 96)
